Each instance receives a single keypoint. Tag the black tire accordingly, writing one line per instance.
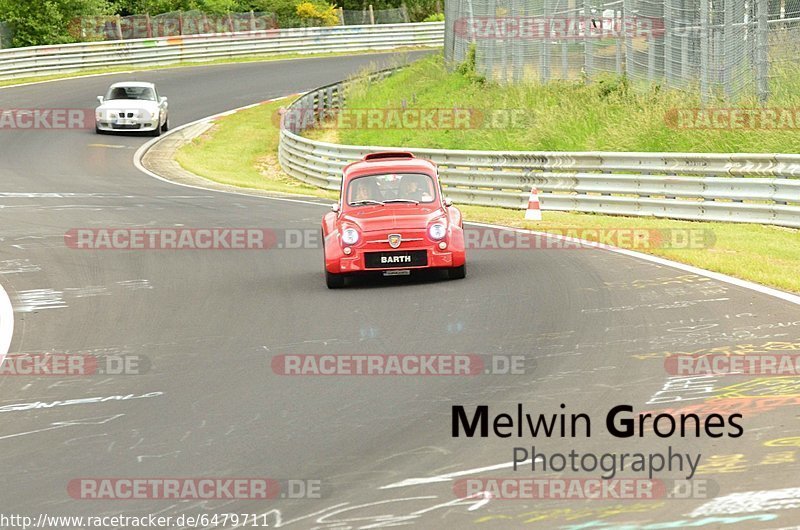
(334, 281)
(165, 127)
(97, 130)
(458, 273)
(156, 131)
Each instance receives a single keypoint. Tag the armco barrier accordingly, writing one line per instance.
(749, 188)
(48, 60)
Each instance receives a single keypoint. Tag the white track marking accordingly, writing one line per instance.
(137, 157)
(783, 295)
(6, 323)
(450, 476)
(62, 424)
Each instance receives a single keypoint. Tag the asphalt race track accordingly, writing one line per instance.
(594, 327)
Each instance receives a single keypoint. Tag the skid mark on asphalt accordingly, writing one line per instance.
(38, 299)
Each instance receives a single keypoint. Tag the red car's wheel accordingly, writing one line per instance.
(458, 273)
(334, 281)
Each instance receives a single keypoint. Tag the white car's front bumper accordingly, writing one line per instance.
(128, 125)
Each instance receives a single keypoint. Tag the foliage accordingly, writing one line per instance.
(317, 14)
(435, 17)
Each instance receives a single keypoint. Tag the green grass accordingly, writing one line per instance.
(606, 115)
(189, 64)
(241, 150)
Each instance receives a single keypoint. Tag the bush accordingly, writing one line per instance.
(436, 17)
(48, 21)
(317, 14)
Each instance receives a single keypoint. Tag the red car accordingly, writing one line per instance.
(391, 218)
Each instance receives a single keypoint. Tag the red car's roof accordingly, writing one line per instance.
(385, 163)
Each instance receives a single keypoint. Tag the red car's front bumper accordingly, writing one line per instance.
(337, 262)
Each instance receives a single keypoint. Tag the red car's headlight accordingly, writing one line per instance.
(437, 231)
(349, 236)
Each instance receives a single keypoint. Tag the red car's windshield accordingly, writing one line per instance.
(391, 188)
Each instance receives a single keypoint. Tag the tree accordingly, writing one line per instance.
(47, 21)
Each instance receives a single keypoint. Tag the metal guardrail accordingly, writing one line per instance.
(749, 188)
(48, 60)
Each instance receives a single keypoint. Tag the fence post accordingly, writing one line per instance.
(762, 51)
(149, 26)
(618, 43)
(704, 51)
(119, 27)
(371, 15)
(544, 46)
(340, 12)
(180, 22)
(587, 40)
(666, 25)
(727, 59)
(252, 20)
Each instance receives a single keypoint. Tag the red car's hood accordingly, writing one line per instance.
(391, 217)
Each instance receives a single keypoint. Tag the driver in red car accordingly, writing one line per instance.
(412, 188)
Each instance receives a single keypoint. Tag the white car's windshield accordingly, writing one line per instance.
(131, 92)
(391, 188)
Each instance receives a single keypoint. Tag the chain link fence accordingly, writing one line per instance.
(725, 49)
(350, 17)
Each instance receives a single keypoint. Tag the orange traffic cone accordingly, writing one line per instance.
(534, 212)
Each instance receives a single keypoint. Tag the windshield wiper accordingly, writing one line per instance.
(366, 201)
(412, 201)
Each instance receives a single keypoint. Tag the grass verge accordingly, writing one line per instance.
(606, 115)
(241, 150)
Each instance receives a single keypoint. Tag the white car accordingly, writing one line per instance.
(132, 106)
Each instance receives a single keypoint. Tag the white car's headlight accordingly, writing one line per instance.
(437, 231)
(350, 236)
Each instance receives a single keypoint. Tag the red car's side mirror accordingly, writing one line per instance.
(335, 207)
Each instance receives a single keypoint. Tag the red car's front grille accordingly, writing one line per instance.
(408, 239)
